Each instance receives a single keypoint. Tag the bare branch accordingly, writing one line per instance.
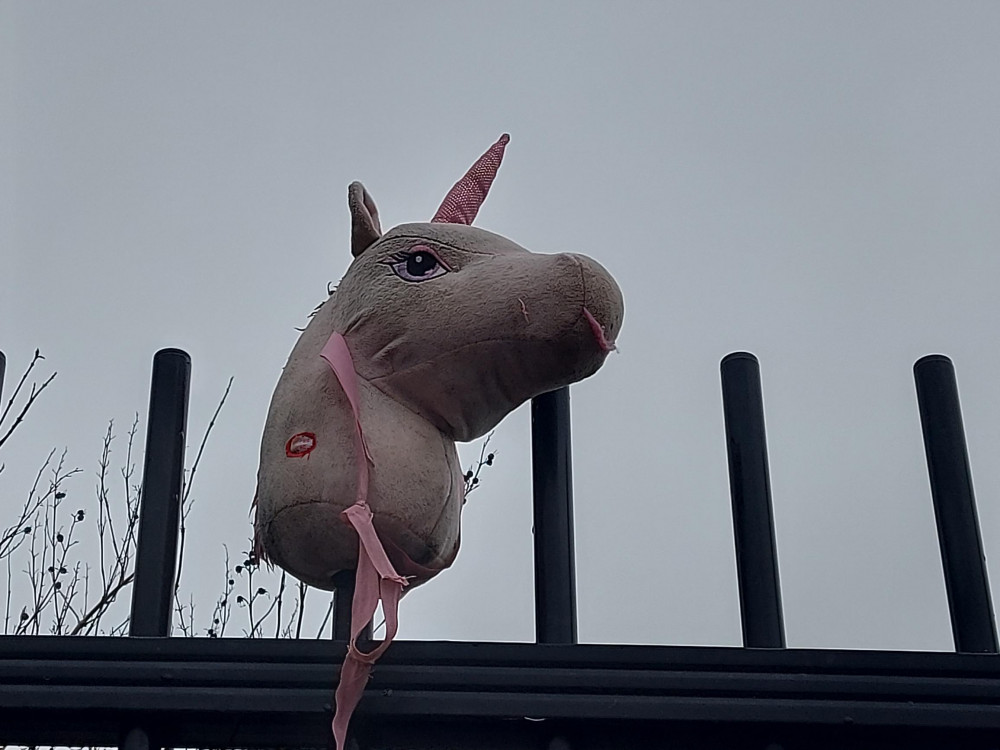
(53, 554)
(281, 595)
(185, 505)
(13, 535)
(31, 366)
(185, 623)
(223, 607)
(104, 518)
(93, 615)
(302, 608)
(6, 618)
(472, 475)
(35, 393)
(326, 618)
(204, 440)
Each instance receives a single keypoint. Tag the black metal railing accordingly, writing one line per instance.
(966, 578)
(153, 691)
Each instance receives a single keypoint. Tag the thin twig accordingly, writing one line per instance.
(223, 607)
(98, 609)
(185, 505)
(104, 519)
(6, 618)
(13, 535)
(472, 475)
(302, 608)
(31, 366)
(326, 617)
(116, 575)
(53, 553)
(35, 393)
(281, 596)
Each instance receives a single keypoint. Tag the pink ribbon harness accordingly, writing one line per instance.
(376, 578)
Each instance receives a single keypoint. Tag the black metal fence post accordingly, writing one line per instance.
(750, 489)
(969, 602)
(343, 599)
(162, 480)
(552, 479)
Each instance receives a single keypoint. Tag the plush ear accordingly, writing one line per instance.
(365, 228)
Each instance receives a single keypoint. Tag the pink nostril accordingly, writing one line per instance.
(598, 329)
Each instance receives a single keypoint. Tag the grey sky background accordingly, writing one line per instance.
(813, 182)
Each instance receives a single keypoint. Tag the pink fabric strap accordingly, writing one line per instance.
(375, 577)
(338, 356)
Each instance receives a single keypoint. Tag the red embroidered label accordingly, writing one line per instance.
(300, 445)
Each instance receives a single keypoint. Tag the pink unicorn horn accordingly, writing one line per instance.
(462, 203)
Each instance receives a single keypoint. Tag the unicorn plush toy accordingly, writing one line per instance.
(434, 334)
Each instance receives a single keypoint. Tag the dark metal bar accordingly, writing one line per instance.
(257, 693)
(972, 622)
(750, 489)
(552, 478)
(344, 583)
(342, 598)
(162, 479)
(3, 370)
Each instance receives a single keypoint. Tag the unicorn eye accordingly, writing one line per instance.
(420, 264)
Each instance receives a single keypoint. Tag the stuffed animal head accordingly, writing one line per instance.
(448, 328)
(463, 325)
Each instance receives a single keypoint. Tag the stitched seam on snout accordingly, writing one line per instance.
(583, 280)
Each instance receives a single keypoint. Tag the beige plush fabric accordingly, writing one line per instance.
(450, 328)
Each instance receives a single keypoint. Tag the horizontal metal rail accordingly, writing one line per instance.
(266, 693)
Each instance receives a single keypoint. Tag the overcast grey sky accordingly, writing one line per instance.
(815, 182)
